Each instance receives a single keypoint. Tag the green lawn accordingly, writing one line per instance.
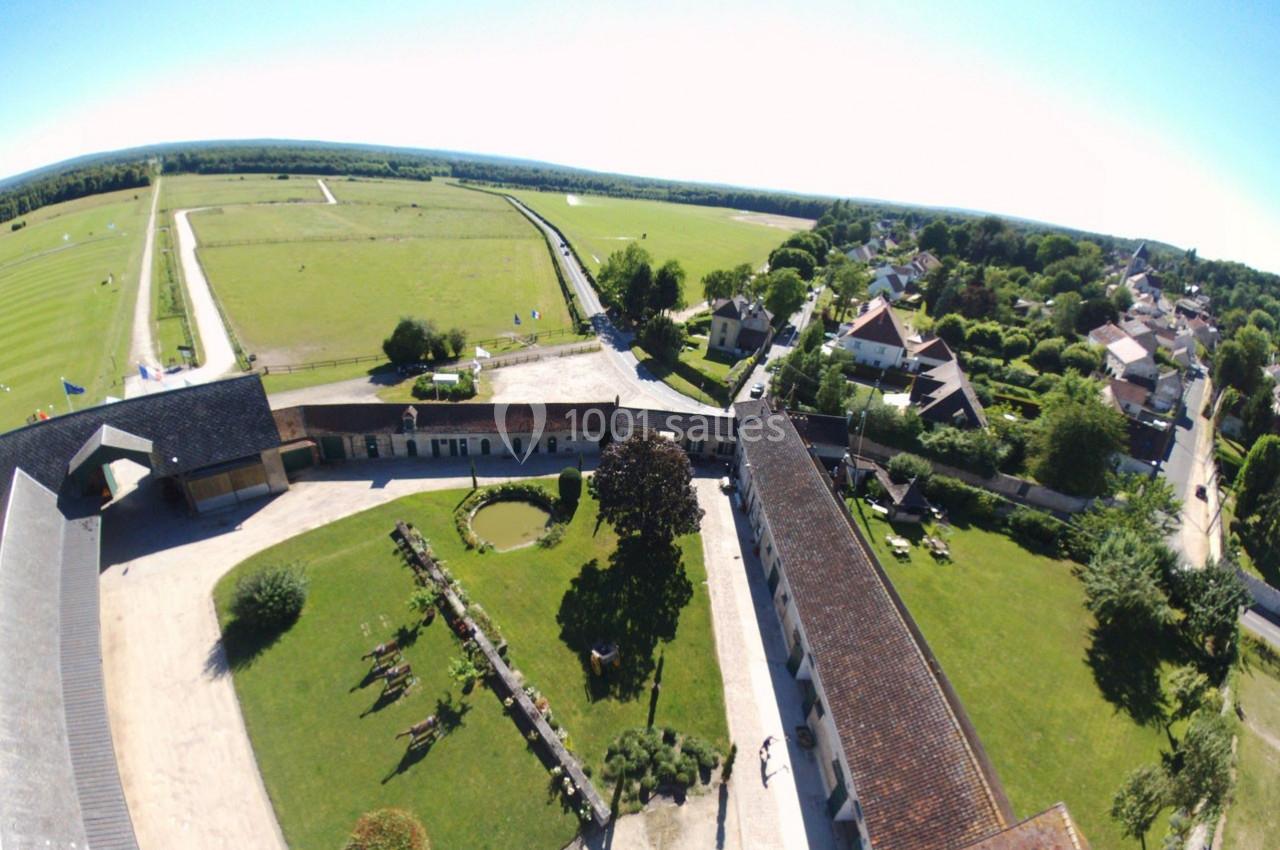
(59, 317)
(1251, 818)
(326, 757)
(701, 238)
(304, 283)
(186, 191)
(713, 364)
(1010, 629)
(675, 380)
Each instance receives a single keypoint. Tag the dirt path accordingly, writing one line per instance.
(141, 346)
(187, 766)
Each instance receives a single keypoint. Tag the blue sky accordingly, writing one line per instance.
(1157, 120)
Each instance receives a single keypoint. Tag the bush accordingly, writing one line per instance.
(410, 340)
(976, 450)
(388, 829)
(961, 500)
(662, 338)
(270, 598)
(426, 388)
(1035, 529)
(905, 466)
(570, 487)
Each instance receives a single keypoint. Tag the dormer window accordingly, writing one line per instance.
(409, 420)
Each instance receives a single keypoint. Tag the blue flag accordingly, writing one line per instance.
(516, 318)
(70, 388)
(536, 314)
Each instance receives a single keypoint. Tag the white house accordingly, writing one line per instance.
(876, 338)
(1126, 358)
(738, 326)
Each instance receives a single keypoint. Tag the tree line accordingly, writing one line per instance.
(69, 185)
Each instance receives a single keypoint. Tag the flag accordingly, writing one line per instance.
(516, 318)
(144, 372)
(536, 314)
(70, 388)
(481, 353)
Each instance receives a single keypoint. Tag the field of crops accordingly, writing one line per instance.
(67, 282)
(701, 238)
(310, 282)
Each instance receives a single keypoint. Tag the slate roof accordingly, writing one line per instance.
(739, 307)
(1052, 829)
(333, 419)
(1147, 442)
(879, 325)
(934, 349)
(944, 394)
(915, 771)
(907, 496)
(750, 340)
(189, 428)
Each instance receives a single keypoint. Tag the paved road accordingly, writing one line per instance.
(616, 343)
(782, 345)
(1260, 625)
(1189, 465)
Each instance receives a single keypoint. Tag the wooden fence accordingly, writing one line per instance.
(419, 557)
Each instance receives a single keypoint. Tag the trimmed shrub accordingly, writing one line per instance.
(905, 466)
(570, 487)
(388, 829)
(1035, 529)
(270, 598)
(426, 388)
(962, 500)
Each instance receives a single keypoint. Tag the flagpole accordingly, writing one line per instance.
(67, 396)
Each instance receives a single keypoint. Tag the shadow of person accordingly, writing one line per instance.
(633, 604)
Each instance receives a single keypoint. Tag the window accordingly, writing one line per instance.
(484, 446)
(371, 445)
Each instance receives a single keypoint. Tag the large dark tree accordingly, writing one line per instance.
(1076, 437)
(663, 338)
(410, 340)
(668, 288)
(644, 486)
(1122, 584)
(794, 258)
(785, 294)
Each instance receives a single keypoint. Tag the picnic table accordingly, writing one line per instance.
(938, 547)
(901, 546)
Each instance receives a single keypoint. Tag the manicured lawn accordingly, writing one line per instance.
(304, 283)
(713, 364)
(1011, 632)
(59, 317)
(673, 379)
(1251, 818)
(326, 748)
(701, 238)
(185, 191)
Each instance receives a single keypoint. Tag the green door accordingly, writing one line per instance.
(333, 448)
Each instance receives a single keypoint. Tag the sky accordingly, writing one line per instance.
(1155, 120)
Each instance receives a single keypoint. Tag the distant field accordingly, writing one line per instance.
(184, 191)
(312, 282)
(58, 317)
(701, 238)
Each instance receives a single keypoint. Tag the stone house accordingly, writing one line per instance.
(739, 326)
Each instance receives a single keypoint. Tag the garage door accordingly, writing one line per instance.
(228, 488)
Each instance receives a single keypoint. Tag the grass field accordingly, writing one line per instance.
(186, 191)
(326, 749)
(304, 283)
(1251, 818)
(1010, 629)
(701, 238)
(59, 317)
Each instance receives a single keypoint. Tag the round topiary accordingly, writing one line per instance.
(388, 829)
(270, 598)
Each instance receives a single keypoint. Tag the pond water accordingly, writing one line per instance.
(508, 525)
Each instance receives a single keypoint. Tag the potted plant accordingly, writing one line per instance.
(423, 601)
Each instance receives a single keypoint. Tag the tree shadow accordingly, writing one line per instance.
(407, 636)
(1126, 668)
(633, 604)
(238, 648)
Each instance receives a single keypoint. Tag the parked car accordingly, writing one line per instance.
(757, 390)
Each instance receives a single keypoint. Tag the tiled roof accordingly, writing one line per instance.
(915, 772)
(1127, 350)
(879, 325)
(1107, 334)
(189, 428)
(1128, 392)
(1052, 829)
